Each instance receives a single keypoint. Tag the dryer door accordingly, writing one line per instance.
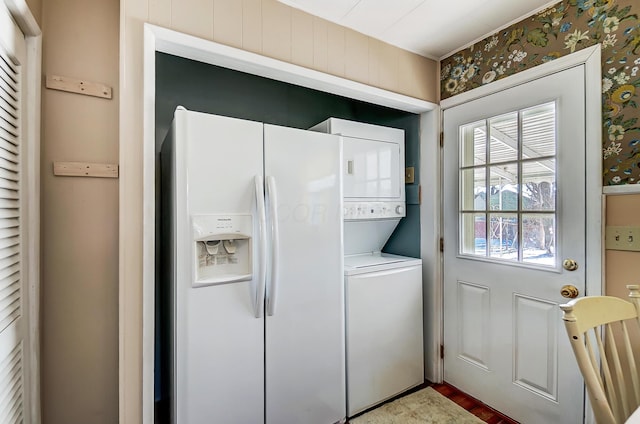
(373, 170)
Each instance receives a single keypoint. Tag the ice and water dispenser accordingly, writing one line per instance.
(223, 248)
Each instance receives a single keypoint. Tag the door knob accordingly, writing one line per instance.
(569, 291)
(570, 264)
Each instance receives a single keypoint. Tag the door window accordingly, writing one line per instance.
(507, 171)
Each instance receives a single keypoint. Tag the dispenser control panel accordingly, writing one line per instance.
(373, 210)
(222, 248)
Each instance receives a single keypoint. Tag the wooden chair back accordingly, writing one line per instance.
(599, 330)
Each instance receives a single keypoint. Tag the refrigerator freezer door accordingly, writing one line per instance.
(305, 372)
(219, 341)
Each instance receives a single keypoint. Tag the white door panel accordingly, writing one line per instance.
(304, 352)
(514, 208)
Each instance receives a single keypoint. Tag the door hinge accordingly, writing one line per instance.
(441, 138)
(441, 244)
(441, 351)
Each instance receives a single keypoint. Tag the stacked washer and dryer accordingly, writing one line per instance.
(383, 292)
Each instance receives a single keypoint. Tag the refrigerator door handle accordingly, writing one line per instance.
(258, 301)
(272, 291)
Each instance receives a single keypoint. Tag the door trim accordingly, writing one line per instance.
(134, 353)
(430, 231)
(590, 58)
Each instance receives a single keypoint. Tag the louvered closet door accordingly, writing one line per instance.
(13, 373)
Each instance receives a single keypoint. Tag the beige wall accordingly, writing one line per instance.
(79, 302)
(621, 267)
(273, 29)
(263, 26)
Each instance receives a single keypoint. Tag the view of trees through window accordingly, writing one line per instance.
(508, 186)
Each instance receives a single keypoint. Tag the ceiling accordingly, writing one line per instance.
(431, 28)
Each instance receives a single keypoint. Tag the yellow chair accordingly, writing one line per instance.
(607, 363)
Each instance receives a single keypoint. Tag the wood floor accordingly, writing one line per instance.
(472, 405)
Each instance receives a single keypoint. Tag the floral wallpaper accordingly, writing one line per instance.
(556, 31)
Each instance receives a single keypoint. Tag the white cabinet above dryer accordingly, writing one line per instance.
(373, 160)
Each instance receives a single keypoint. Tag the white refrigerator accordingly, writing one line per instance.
(253, 237)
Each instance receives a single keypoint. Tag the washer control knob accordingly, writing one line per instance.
(399, 210)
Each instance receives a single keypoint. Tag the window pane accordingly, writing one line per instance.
(504, 188)
(539, 185)
(473, 189)
(504, 138)
(538, 239)
(473, 144)
(539, 131)
(474, 234)
(503, 236)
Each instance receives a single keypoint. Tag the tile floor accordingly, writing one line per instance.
(465, 401)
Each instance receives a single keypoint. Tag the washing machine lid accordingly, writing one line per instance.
(368, 235)
(372, 262)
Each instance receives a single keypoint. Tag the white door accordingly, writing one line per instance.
(304, 325)
(14, 343)
(514, 210)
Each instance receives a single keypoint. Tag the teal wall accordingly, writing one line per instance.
(207, 88)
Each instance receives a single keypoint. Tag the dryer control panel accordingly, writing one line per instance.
(373, 210)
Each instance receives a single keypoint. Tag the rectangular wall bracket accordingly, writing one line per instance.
(85, 169)
(73, 85)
